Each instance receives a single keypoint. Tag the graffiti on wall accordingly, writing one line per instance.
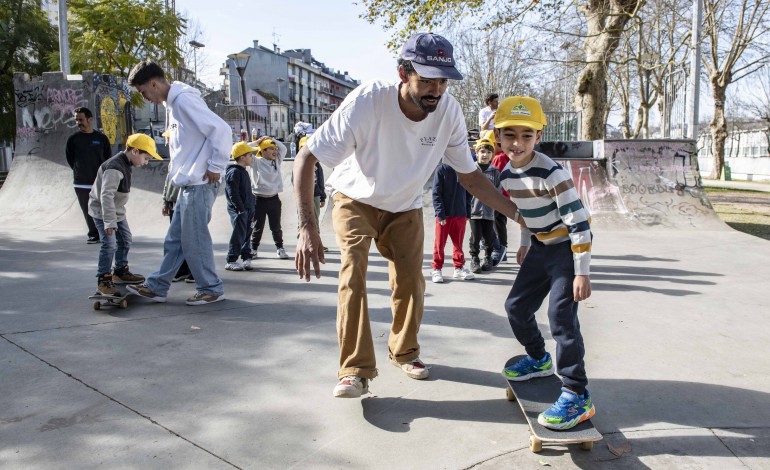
(43, 109)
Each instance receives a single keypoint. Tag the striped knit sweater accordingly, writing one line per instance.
(550, 206)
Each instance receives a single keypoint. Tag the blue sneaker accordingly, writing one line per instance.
(529, 368)
(569, 410)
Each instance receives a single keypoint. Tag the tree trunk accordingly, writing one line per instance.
(592, 98)
(718, 128)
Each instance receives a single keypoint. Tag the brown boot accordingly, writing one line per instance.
(106, 287)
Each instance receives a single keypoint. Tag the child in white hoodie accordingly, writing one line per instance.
(266, 185)
(199, 144)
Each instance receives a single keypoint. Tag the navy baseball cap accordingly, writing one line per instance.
(431, 56)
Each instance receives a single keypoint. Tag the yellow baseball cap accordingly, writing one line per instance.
(143, 142)
(488, 135)
(303, 141)
(265, 144)
(484, 142)
(520, 111)
(242, 148)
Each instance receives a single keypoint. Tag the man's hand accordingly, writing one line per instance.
(581, 288)
(521, 254)
(309, 249)
(323, 203)
(211, 177)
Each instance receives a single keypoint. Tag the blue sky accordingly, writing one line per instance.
(330, 28)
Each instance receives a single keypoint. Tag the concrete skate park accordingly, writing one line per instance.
(675, 334)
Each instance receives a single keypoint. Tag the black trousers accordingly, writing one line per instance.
(481, 228)
(83, 194)
(267, 208)
(501, 228)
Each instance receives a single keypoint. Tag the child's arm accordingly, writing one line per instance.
(281, 149)
(110, 182)
(438, 185)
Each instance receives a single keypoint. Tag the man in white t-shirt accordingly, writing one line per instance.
(487, 113)
(385, 141)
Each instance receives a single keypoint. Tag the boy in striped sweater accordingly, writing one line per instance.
(555, 255)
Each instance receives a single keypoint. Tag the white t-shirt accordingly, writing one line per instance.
(484, 114)
(384, 159)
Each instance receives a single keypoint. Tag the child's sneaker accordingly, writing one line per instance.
(475, 265)
(415, 369)
(351, 387)
(105, 286)
(234, 266)
(486, 265)
(143, 291)
(281, 253)
(124, 276)
(436, 276)
(247, 265)
(464, 274)
(529, 368)
(201, 298)
(569, 410)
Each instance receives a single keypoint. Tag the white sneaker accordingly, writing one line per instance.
(437, 277)
(247, 265)
(464, 274)
(282, 253)
(351, 387)
(235, 266)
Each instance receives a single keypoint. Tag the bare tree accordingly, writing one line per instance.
(736, 33)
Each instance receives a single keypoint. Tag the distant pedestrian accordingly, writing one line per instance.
(199, 144)
(86, 150)
(107, 206)
(240, 206)
(452, 206)
(170, 196)
(487, 113)
(483, 216)
(500, 251)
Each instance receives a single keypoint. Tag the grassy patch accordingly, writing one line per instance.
(745, 211)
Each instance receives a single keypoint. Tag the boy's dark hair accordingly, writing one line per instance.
(85, 111)
(407, 66)
(145, 71)
(491, 97)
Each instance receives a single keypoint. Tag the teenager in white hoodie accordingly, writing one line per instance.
(199, 144)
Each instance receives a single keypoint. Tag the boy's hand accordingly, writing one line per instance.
(581, 288)
(442, 221)
(521, 254)
(109, 231)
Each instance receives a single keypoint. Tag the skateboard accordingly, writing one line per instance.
(537, 395)
(106, 301)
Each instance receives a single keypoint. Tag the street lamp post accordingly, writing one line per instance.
(195, 45)
(240, 61)
(280, 114)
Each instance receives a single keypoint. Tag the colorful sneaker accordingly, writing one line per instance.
(351, 387)
(234, 266)
(281, 253)
(475, 265)
(201, 298)
(143, 291)
(124, 276)
(464, 274)
(529, 368)
(569, 410)
(436, 276)
(415, 369)
(105, 286)
(247, 265)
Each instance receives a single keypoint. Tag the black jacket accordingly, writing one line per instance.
(85, 153)
(238, 189)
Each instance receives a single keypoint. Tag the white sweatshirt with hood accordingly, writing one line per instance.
(199, 140)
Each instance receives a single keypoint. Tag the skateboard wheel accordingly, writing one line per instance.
(124, 304)
(535, 445)
(509, 394)
(587, 445)
(97, 305)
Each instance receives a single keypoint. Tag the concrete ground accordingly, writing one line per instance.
(676, 337)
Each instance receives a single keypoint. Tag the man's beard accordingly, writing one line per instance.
(425, 107)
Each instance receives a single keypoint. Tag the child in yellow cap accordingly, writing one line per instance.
(107, 206)
(555, 255)
(482, 216)
(240, 206)
(267, 184)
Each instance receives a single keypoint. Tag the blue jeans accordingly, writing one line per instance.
(188, 239)
(113, 246)
(240, 244)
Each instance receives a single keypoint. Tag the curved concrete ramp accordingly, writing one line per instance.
(638, 184)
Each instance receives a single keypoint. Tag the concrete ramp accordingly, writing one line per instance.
(638, 184)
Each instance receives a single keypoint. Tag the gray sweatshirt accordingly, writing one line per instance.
(109, 194)
(266, 174)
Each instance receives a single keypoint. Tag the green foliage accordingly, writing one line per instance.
(26, 38)
(110, 36)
